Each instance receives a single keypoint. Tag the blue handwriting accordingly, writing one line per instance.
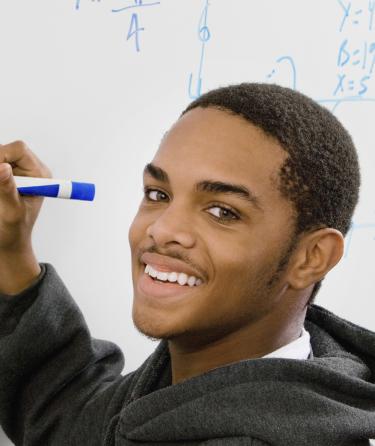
(354, 16)
(134, 28)
(293, 72)
(354, 227)
(204, 36)
(137, 4)
(78, 3)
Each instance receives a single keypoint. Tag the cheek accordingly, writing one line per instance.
(233, 268)
(238, 293)
(136, 231)
(240, 264)
(132, 232)
(231, 254)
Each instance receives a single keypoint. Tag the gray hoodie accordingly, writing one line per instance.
(61, 387)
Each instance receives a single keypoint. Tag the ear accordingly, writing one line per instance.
(317, 253)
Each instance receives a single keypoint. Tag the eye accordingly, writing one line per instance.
(154, 194)
(224, 213)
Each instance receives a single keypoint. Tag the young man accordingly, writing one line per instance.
(246, 205)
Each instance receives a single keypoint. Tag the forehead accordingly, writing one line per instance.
(214, 144)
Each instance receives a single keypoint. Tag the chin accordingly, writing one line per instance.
(150, 332)
(152, 328)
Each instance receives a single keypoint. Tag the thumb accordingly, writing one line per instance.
(8, 189)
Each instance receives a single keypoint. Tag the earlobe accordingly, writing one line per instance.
(317, 254)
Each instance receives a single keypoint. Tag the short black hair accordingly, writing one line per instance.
(321, 175)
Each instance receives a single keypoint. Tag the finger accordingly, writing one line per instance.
(17, 153)
(20, 157)
(10, 203)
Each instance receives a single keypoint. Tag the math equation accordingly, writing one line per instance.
(355, 56)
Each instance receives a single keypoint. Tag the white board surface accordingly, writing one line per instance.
(92, 85)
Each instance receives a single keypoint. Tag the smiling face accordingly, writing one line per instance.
(212, 209)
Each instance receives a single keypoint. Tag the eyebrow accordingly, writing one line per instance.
(210, 186)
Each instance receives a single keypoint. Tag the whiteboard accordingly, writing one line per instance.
(92, 85)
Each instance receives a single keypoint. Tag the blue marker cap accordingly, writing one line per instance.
(83, 191)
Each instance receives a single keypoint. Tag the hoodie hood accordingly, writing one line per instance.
(328, 399)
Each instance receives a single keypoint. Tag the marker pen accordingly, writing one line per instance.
(51, 187)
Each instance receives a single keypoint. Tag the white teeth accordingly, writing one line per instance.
(181, 278)
(172, 277)
(162, 276)
(152, 272)
(191, 281)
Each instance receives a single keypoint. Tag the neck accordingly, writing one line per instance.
(190, 358)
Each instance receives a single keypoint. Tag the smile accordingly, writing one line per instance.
(181, 278)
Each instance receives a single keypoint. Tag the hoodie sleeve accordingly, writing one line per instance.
(58, 385)
(238, 441)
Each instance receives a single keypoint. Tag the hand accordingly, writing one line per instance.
(18, 213)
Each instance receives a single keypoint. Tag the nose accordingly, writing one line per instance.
(172, 226)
